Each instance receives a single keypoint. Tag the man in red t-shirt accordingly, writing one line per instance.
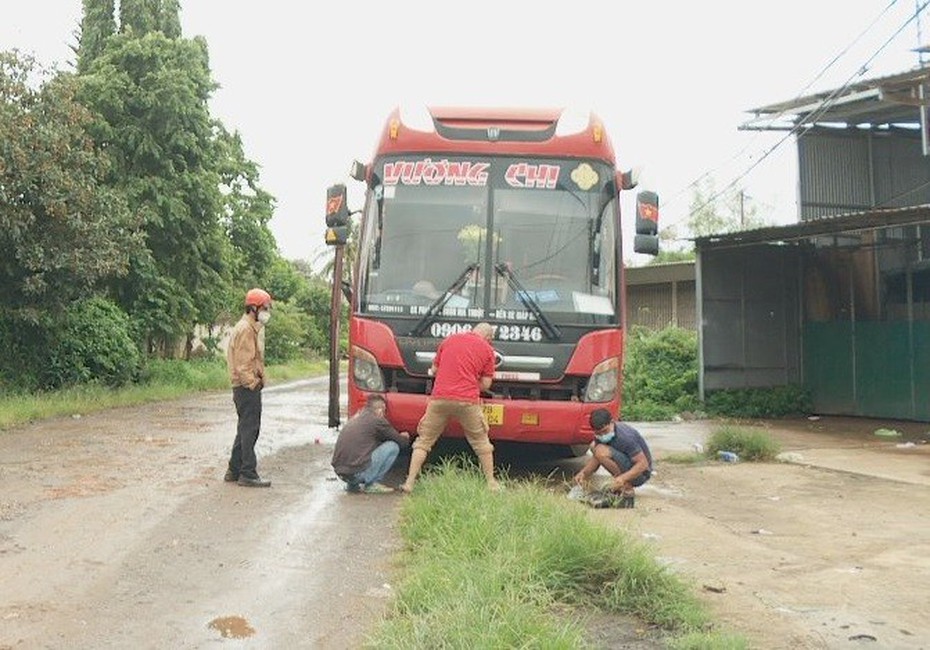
(463, 367)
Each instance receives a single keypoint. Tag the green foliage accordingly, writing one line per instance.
(94, 344)
(713, 213)
(188, 375)
(204, 216)
(778, 401)
(97, 25)
(660, 373)
(139, 16)
(247, 209)
(708, 641)
(62, 230)
(671, 256)
(285, 334)
(169, 18)
(118, 182)
(750, 445)
(90, 343)
(151, 95)
(283, 280)
(163, 380)
(314, 298)
(683, 458)
(488, 570)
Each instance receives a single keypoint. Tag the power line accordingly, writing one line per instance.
(800, 129)
(800, 94)
(781, 113)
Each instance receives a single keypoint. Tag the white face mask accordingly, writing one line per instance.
(607, 437)
(264, 317)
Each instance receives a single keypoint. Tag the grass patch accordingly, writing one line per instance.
(684, 458)
(486, 570)
(161, 380)
(749, 444)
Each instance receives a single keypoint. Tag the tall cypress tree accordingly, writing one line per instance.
(141, 16)
(170, 19)
(97, 24)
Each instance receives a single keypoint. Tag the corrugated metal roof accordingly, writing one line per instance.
(878, 102)
(835, 225)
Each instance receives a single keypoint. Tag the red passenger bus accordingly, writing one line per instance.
(500, 215)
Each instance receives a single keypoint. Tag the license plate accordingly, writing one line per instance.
(494, 413)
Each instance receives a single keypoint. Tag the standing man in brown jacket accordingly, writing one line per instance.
(246, 360)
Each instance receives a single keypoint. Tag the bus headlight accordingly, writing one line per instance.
(602, 386)
(365, 370)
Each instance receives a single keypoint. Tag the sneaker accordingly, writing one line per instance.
(353, 488)
(248, 481)
(230, 476)
(378, 488)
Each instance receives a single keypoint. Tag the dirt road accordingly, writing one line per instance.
(116, 531)
(831, 550)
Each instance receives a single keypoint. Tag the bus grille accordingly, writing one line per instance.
(569, 389)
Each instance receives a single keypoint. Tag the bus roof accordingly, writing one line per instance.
(552, 132)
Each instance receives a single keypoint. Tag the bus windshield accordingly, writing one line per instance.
(552, 228)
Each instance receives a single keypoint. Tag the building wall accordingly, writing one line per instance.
(661, 296)
(849, 170)
(748, 311)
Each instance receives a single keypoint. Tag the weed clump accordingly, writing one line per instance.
(748, 444)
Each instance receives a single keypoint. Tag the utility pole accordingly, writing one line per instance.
(335, 311)
(337, 234)
(742, 209)
(922, 89)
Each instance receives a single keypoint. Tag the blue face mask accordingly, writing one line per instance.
(607, 437)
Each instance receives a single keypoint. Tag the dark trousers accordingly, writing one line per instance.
(248, 403)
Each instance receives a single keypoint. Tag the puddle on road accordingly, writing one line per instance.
(232, 627)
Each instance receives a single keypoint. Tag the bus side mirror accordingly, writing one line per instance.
(347, 290)
(647, 223)
(647, 213)
(337, 216)
(646, 244)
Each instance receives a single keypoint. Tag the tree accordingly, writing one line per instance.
(97, 25)
(139, 16)
(247, 210)
(715, 213)
(62, 229)
(670, 256)
(204, 215)
(169, 20)
(151, 94)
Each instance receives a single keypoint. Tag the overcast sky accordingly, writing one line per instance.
(309, 85)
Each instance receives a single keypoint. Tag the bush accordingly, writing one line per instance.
(660, 373)
(746, 443)
(778, 401)
(93, 343)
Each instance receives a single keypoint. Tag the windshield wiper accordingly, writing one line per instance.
(441, 301)
(549, 329)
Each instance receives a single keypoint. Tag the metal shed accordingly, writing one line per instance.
(839, 302)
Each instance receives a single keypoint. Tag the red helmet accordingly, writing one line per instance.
(257, 298)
